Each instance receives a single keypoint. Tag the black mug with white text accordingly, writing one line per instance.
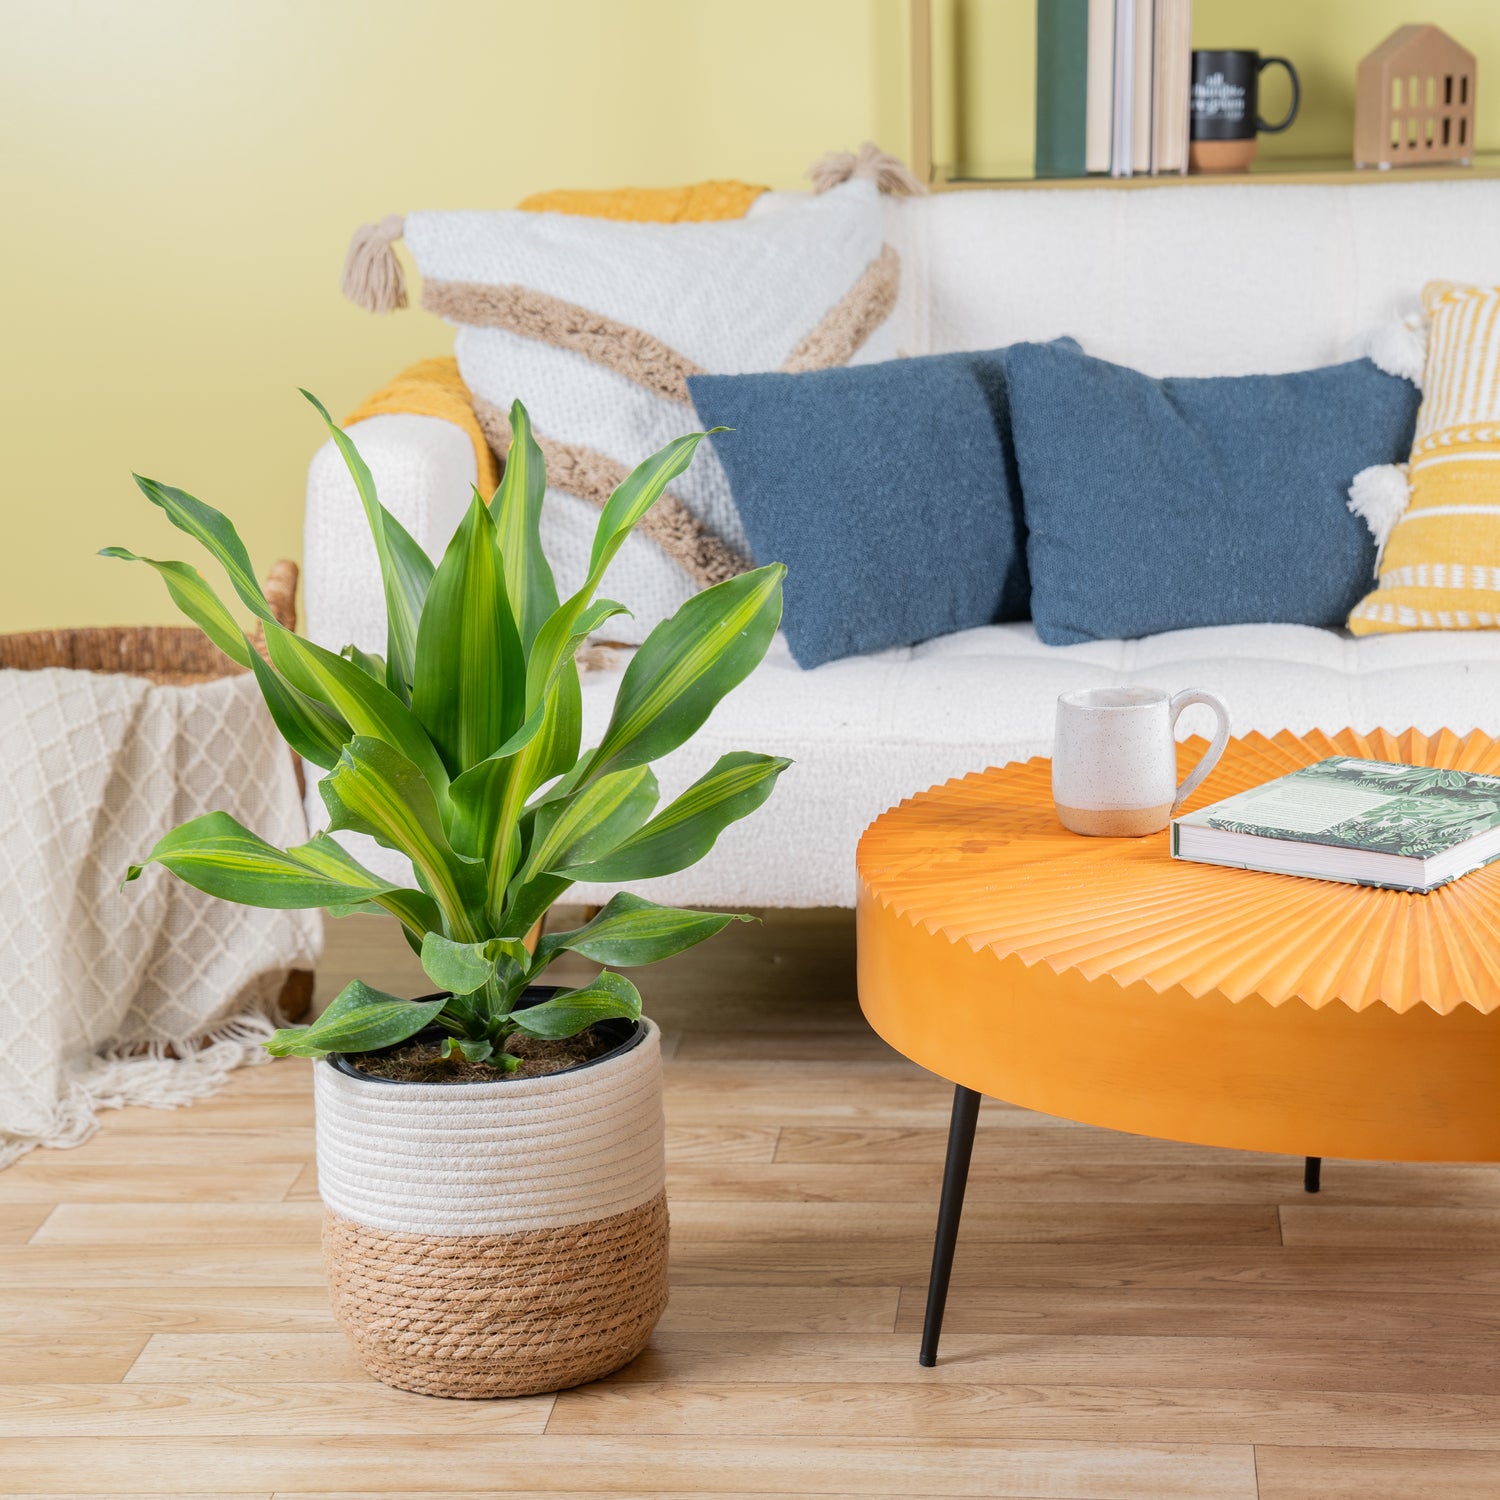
(1225, 105)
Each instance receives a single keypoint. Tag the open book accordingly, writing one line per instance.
(1366, 822)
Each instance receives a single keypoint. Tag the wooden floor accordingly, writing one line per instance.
(1129, 1317)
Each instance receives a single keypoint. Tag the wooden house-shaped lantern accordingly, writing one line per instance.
(1414, 101)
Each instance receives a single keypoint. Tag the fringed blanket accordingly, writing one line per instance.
(153, 994)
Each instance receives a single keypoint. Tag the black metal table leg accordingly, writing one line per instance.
(1312, 1174)
(955, 1179)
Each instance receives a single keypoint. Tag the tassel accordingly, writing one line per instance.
(1379, 496)
(373, 278)
(889, 173)
(1400, 348)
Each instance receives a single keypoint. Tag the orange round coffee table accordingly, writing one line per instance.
(1103, 981)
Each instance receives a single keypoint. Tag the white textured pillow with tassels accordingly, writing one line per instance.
(596, 324)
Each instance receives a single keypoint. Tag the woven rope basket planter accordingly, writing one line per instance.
(496, 1239)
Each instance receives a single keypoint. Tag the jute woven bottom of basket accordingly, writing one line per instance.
(499, 1314)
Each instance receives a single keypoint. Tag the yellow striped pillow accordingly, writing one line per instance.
(1440, 570)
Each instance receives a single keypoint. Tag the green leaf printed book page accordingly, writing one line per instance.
(1374, 806)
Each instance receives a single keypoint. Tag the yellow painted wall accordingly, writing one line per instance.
(179, 179)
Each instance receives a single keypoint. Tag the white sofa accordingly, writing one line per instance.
(1182, 280)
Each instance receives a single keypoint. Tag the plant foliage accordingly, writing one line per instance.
(461, 749)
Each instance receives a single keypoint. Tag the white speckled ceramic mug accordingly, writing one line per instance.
(1114, 758)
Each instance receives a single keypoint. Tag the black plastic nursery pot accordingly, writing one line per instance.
(501, 1237)
(625, 1034)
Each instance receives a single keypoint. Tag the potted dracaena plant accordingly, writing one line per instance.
(490, 1156)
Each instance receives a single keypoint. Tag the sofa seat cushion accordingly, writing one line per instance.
(867, 731)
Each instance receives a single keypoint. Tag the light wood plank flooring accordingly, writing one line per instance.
(1129, 1317)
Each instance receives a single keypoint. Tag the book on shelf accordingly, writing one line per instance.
(1122, 147)
(1143, 64)
(1062, 66)
(1112, 81)
(1099, 112)
(1364, 822)
(1171, 86)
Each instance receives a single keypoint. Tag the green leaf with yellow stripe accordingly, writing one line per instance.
(374, 789)
(639, 491)
(470, 686)
(218, 855)
(196, 599)
(361, 1019)
(569, 623)
(632, 931)
(488, 799)
(688, 826)
(609, 997)
(368, 707)
(517, 509)
(591, 822)
(686, 665)
(405, 569)
(214, 530)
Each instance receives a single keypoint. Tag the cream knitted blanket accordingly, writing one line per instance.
(151, 995)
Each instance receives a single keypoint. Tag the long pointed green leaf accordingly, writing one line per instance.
(687, 664)
(193, 596)
(487, 800)
(639, 491)
(311, 729)
(560, 736)
(632, 930)
(416, 910)
(375, 789)
(361, 1019)
(314, 731)
(215, 531)
(609, 997)
(367, 662)
(550, 676)
(688, 826)
(517, 509)
(587, 824)
(221, 857)
(369, 708)
(527, 904)
(405, 569)
(470, 685)
(557, 720)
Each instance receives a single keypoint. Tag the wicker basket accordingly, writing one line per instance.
(496, 1239)
(172, 655)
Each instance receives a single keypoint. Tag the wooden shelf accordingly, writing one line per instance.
(1272, 170)
(1284, 171)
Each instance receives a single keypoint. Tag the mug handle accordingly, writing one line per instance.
(1211, 756)
(1291, 114)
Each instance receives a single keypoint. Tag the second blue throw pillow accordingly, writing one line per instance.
(1157, 505)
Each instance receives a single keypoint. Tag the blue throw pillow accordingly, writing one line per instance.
(888, 490)
(1158, 505)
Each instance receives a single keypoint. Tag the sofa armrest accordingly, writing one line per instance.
(424, 470)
